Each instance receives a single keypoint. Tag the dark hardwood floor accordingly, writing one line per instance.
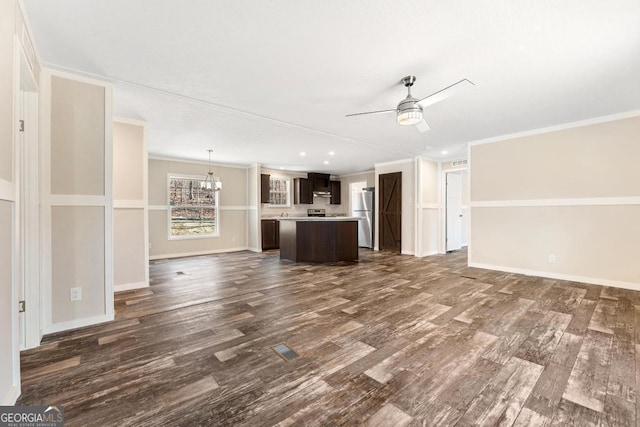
(390, 340)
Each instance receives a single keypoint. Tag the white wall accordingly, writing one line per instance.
(234, 210)
(254, 236)
(130, 227)
(572, 193)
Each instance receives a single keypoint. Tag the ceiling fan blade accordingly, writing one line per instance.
(445, 93)
(371, 112)
(423, 126)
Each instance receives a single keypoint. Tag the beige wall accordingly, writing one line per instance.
(129, 261)
(77, 137)
(78, 259)
(77, 231)
(254, 238)
(408, 203)
(233, 210)
(128, 156)
(7, 299)
(428, 208)
(541, 195)
(130, 231)
(7, 29)
(599, 160)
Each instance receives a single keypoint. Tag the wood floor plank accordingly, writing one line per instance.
(587, 385)
(389, 415)
(504, 397)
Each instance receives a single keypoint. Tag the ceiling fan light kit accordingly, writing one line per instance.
(210, 182)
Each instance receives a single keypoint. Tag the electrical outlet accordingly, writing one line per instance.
(75, 294)
(552, 259)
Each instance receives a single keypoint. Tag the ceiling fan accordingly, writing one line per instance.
(409, 110)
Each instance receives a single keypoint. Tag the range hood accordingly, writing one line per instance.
(320, 185)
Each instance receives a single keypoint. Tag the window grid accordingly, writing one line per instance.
(279, 191)
(193, 208)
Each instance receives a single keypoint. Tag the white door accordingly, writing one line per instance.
(454, 211)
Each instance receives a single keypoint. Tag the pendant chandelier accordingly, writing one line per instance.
(211, 184)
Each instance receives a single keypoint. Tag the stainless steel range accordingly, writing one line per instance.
(316, 212)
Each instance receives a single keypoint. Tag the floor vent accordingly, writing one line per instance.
(180, 273)
(469, 277)
(285, 352)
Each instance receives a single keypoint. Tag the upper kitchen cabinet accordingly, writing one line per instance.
(264, 187)
(302, 191)
(319, 182)
(336, 197)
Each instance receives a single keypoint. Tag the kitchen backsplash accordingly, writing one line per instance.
(301, 210)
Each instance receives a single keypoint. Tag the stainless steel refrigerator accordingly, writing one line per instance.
(364, 207)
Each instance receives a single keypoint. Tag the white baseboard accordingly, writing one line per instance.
(130, 286)
(559, 276)
(12, 396)
(255, 249)
(75, 324)
(407, 253)
(430, 253)
(209, 252)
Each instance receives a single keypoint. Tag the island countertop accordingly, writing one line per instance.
(318, 218)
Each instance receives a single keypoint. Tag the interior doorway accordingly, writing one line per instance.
(453, 211)
(390, 230)
(27, 202)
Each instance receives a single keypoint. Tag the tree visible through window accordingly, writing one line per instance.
(279, 191)
(193, 208)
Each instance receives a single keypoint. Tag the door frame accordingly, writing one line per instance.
(26, 158)
(443, 197)
(380, 201)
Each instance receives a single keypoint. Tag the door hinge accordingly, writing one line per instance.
(22, 306)
(21, 126)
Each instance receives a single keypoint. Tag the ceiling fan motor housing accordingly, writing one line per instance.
(409, 112)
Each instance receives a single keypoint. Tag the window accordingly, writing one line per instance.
(193, 208)
(279, 191)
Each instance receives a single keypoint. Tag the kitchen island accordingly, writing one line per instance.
(320, 239)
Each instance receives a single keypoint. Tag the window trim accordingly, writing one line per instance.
(282, 178)
(216, 207)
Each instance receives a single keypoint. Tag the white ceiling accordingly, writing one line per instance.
(261, 81)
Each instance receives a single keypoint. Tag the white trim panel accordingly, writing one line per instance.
(130, 286)
(559, 276)
(77, 200)
(129, 204)
(586, 201)
(198, 253)
(221, 208)
(237, 208)
(77, 323)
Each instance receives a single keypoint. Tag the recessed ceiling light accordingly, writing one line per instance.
(281, 167)
(303, 154)
(331, 153)
(445, 152)
(326, 162)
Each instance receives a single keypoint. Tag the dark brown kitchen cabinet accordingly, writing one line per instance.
(270, 234)
(264, 187)
(302, 191)
(336, 197)
(319, 181)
